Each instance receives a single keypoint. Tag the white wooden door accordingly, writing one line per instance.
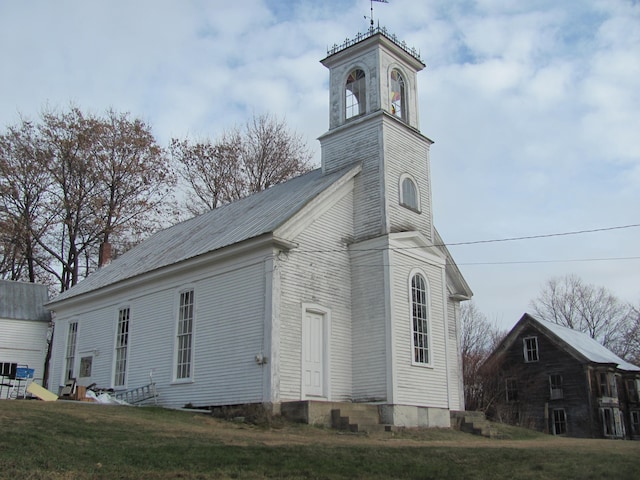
(313, 354)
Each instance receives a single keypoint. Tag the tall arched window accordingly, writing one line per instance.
(355, 94)
(420, 320)
(398, 100)
(409, 196)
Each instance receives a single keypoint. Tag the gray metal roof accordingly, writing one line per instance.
(244, 219)
(23, 301)
(586, 346)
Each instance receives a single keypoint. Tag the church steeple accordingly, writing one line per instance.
(372, 72)
(374, 121)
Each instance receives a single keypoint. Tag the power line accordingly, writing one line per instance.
(518, 262)
(473, 242)
(531, 237)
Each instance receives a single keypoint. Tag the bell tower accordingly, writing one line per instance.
(374, 121)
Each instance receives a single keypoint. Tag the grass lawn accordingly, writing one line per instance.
(66, 440)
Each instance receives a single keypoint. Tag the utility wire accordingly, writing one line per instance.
(474, 242)
(530, 237)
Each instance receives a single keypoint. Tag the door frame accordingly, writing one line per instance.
(325, 313)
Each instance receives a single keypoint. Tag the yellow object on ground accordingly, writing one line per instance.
(41, 393)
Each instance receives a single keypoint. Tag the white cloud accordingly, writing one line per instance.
(534, 106)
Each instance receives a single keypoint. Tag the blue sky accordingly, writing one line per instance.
(534, 107)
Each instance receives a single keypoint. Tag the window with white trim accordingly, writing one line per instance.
(530, 345)
(409, 194)
(70, 358)
(122, 344)
(420, 320)
(354, 94)
(185, 335)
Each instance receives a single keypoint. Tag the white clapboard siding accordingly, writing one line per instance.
(361, 143)
(455, 361)
(318, 272)
(369, 324)
(24, 342)
(407, 152)
(419, 385)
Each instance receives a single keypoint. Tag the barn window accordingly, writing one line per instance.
(635, 422)
(530, 349)
(409, 195)
(632, 390)
(555, 385)
(185, 335)
(398, 95)
(611, 422)
(511, 389)
(420, 320)
(607, 384)
(71, 350)
(355, 94)
(122, 344)
(559, 421)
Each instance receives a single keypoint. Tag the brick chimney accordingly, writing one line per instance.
(104, 255)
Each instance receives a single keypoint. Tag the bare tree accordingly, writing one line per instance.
(24, 193)
(212, 171)
(243, 161)
(71, 182)
(570, 302)
(270, 153)
(134, 180)
(479, 338)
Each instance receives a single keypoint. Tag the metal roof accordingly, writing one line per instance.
(241, 220)
(23, 301)
(586, 346)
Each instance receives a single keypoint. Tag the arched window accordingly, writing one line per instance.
(398, 100)
(355, 94)
(409, 196)
(420, 320)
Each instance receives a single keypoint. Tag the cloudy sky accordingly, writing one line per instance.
(534, 107)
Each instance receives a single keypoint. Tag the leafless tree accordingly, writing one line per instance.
(71, 182)
(591, 309)
(245, 160)
(24, 194)
(479, 338)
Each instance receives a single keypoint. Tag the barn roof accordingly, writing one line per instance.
(241, 220)
(23, 301)
(578, 342)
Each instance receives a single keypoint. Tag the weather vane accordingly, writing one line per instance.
(371, 1)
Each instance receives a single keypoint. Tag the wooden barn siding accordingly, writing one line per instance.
(418, 385)
(229, 321)
(405, 152)
(24, 342)
(360, 143)
(552, 360)
(318, 272)
(369, 325)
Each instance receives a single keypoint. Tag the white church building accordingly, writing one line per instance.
(332, 287)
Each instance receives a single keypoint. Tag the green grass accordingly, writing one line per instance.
(78, 441)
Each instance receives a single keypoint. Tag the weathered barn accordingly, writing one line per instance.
(563, 382)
